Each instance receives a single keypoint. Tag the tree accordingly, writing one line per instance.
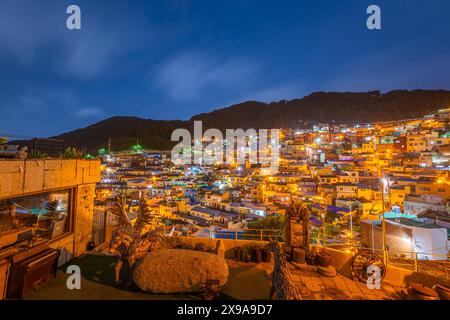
(130, 241)
(282, 284)
(275, 223)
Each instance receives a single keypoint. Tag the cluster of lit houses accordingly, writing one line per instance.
(350, 174)
(382, 185)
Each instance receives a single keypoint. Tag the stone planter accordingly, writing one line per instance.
(444, 292)
(247, 257)
(299, 255)
(418, 291)
(257, 254)
(238, 253)
(311, 259)
(267, 256)
(324, 259)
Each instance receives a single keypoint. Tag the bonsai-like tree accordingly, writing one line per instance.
(282, 284)
(130, 241)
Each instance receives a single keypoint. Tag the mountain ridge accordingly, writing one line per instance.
(347, 107)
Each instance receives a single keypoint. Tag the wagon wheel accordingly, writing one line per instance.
(362, 260)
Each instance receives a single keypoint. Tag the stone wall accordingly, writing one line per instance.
(83, 217)
(18, 177)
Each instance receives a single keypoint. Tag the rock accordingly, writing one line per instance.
(179, 271)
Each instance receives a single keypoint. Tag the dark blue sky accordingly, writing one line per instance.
(173, 59)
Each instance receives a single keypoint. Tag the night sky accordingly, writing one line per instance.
(173, 59)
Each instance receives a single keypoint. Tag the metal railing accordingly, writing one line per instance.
(436, 264)
(232, 234)
(249, 234)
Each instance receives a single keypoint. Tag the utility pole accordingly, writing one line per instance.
(351, 225)
(383, 222)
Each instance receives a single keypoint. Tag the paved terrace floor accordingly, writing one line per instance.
(314, 286)
(247, 281)
(244, 282)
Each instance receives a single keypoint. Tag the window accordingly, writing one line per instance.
(34, 218)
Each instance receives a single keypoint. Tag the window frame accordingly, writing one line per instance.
(71, 208)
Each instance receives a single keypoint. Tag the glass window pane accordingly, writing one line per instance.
(34, 218)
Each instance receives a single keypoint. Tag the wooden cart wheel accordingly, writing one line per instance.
(362, 260)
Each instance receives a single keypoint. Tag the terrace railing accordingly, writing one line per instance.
(237, 234)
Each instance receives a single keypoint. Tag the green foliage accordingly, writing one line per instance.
(102, 151)
(3, 140)
(137, 148)
(331, 216)
(73, 153)
(144, 217)
(34, 154)
(275, 222)
(272, 226)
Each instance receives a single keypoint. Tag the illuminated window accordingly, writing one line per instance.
(34, 218)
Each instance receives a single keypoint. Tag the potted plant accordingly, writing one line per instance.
(323, 259)
(257, 254)
(200, 247)
(238, 253)
(246, 254)
(299, 255)
(267, 254)
(310, 259)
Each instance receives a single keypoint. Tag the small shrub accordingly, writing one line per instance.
(200, 247)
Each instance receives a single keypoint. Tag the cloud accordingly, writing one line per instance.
(30, 31)
(25, 28)
(190, 74)
(398, 67)
(276, 93)
(94, 49)
(33, 100)
(88, 112)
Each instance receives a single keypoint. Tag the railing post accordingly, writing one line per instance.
(261, 235)
(235, 234)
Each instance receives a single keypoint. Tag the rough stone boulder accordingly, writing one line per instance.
(179, 271)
